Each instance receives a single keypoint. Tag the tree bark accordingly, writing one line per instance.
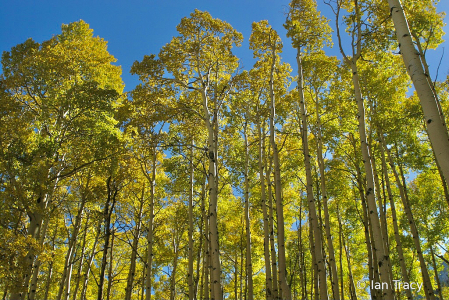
(111, 260)
(81, 260)
(212, 128)
(135, 244)
(271, 229)
(190, 258)
(66, 274)
(405, 202)
(399, 248)
(320, 267)
(330, 245)
(383, 260)
(89, 263)
(435, 268)
(436, 127)
(150, 226)
(249, 266)
(261, 154)
(108, 209)
(284, 292)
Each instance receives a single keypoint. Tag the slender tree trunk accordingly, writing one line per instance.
(201, 243)
(261, 154)
(89, 263)
(437, 278)
(206, 245)
(65, 280)
(399, 248)
(383, 219)
(236, 274)
(271, 229)
(440, 171)
(81, 260)
(135, 244)
(190, 259)
(108, 209)
(68, 280)
(111, 257)
(351, 277)
(284, 292)
(207, 285)
(320, 267)
(175, 266)
(149, 259)
(314, 283)
(242, 292)
(330, 245)
(50, 267)
(300, 254)
(373, 269)
(249, 266)
(405, 202)
(383, 260)
(340, 244)
(436, 127)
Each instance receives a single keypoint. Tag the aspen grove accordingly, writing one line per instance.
(214, 180)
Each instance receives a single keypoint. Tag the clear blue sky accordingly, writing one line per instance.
(138, 27)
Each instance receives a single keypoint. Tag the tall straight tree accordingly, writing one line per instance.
(61, 96)
(309, 32)
(267, 46)
(383, 261)
(200, 60)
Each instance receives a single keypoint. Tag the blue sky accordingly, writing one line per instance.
(138, 27)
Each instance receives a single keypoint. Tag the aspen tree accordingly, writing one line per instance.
(436, 127)
(378, 244)
(266, 221)
(309, 32)
(320, 68)
(200, 59)
(135, 243)
(191, 191)
(267, 45)
(57, 97)
(406, 204)
(399, 248)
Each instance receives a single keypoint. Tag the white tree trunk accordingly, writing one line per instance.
(285, 292)
(190, 259)
(320, 267)
(213, 196)
(249, 266)
(149, 262)
(436, 127)
(261, 153)
(330, 245)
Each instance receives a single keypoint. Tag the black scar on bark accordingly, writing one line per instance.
(429, 121)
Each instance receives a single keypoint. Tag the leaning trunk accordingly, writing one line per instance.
(436, 128)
